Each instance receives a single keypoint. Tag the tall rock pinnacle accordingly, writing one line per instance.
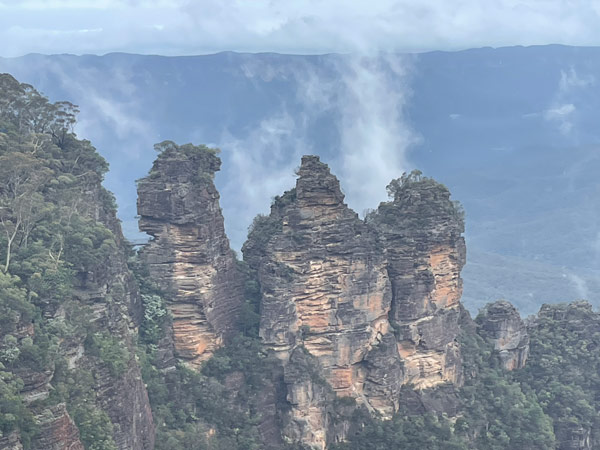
(422, 233)
(190, 257)
(325, 289)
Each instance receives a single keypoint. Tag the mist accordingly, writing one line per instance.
(365, 95)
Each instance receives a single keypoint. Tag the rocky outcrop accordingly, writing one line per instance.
(325, 290)
(189, 256)
(57, 430)
(11, 442)
(421, 230)
(311, 401)
(501, 323)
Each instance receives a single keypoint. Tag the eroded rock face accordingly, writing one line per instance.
(422, 234)
(501, 323)
(111, 292)
(57, 430)
(325, 288)
(375, 303)
(311, 400)
(190, 257)
(11, 442)
(109, 296)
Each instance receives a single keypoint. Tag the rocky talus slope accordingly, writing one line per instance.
(189, 256)
(375, 305)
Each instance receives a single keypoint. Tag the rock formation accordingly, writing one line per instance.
(57, 430)
(501, 323)
(189, 256)
(109, 295)
(422, 231)
(112, 295)
(325, 289)
(326, 292)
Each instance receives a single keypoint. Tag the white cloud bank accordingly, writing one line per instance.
(299, 26)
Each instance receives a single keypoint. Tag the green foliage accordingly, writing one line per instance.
(110, 350)
(203, 158)
(187, 404)
(262, 229)
(404, 431)
(170, 148)
(249, 318)
(564, 365)
(244, 354)
(50, 241)
(156, 316)
(14, 305)
(95, 428)
(155, 313)
(77, 389)
(416, 200)
(13, 413)
(497, 413)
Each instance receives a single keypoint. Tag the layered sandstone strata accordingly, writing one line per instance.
(325, 289)
(421, 230)
(189, 256)
(501, 323)
(57, 430)
(363, 306)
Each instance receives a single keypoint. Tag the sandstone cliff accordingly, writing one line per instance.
(189, 256)
(501, 323)
(422, 231)
(375, 305)
(57, 430)
(103, 300)
(325, 289)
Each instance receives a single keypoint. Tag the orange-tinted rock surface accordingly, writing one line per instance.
(375, 304)
(189, 256)
(422, 234)
(325, 288)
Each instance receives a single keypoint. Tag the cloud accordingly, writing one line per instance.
(365, 96)
(259, 166)
(375, 137)
(302, 26)
(561, 114)
(579, 284)
(570, 80)
(563, 111)
(111, 117)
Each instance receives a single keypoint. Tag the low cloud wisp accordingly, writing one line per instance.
(366, 97)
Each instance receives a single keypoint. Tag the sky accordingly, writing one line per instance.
(183, 27)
